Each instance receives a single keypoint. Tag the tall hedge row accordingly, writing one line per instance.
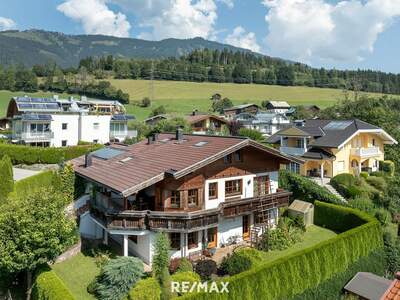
(44, 179)
(21, 154)
(48, 286)
(306, 269)
(305, 189)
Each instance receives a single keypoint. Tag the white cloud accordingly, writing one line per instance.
(240, 38)
(228, 3)
(315, 30)
(173, 18)
(96, 17)
(6, 23)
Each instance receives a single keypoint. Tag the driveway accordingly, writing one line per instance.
(23, 173)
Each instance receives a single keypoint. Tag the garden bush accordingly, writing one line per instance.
(42, 180)
(378, 174)
(305, 269)
(190, 277)
(117, 277)
(383, 216)
(180, 265)
(21, 154)
(387, 166)
(364, 175)
(205, 268)
(235, 264)
(6, 175)
(305, 189)
(363, 203)
(377, 182)
(345, 179)
(49, 286)
(145, 289)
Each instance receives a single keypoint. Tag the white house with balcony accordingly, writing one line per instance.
(331, 147)
(268, 123)
(64, 122)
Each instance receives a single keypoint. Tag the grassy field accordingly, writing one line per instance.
(312, 236)
(77, 272)
(182, 97)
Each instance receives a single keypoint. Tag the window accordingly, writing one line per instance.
(193, 197)
(96, 126)
(95, 141)
(175, 199)
(133, 238)
(213, 190)
(175, 238)
(233, 187)
(293, 167)
(63, 143)
(238, 156)
(64, 126)
(193, 240)
(300, 143)
(373, 142)
(228, 159)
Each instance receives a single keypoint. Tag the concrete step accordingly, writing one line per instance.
(325, 183)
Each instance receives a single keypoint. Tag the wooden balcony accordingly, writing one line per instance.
(185, 221)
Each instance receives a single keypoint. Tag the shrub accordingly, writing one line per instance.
(251, 133)
(387, 166)
(21, 154)
(161, 262)
(205, 268)
(364, 175)
(6, 175)
(49, 286)
(377, 182)
(190, 277)
(383, 216)
(282, 237)
(145, 289)
(180, 265)
(363, 204)
(378, 174)
(41, 180)
(235, 264)
(345, 179)
(306, 268)
(305, 189)
(117, 277)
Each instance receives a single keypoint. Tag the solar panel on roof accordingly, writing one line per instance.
(107, 153)
(337, 125)
(122, 117)
(35, 117)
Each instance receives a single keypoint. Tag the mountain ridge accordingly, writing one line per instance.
(34, 46)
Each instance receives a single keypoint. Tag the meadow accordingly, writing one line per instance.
(182, 97)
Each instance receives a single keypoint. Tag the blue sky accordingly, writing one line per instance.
(341, 34)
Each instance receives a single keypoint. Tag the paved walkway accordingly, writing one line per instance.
(325, 182)
(23, 173)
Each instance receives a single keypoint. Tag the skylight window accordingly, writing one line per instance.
(200, 144)
(126, 159)
(107, 153)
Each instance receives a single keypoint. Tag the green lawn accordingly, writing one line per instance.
(312, 236)
(77, 272)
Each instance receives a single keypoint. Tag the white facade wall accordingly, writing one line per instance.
(89, 228)
(91, 132)
(71, 134)
(229, 229)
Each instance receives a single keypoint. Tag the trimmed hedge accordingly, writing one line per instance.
(145, 289)
(42, 180)
(48, 286)
(333, 287)
(387, 166)
(305, 189)
(306, 269)
(21, 154)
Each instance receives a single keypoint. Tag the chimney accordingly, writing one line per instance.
(88, 160)
(397, 276)
(194, 112)
(83, 98)
(150, 140)
(179, 134)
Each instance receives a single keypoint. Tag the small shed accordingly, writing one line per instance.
(303, 209)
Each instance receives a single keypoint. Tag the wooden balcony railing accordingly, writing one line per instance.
(185, 221)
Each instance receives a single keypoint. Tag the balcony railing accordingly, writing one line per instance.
(123, 133)
(34, 136)
(293, 150)
(185, 221)
(363, 152)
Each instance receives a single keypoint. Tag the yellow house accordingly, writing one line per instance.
(331, 147)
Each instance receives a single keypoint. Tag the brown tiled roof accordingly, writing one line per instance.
(197, 118)
(142, 164)
(393, 292)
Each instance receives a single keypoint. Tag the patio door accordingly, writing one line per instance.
(212, 237)
(262, 185)
(246, 227)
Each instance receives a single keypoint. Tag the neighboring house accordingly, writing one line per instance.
(369, 286)
(331, 147)
(231, 112)
(204, 191)
(277, 107)
(152, 121)
(267, 123)
(65, 122)
(5, 124)
(205, 123)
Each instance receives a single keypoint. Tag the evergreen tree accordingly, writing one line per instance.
(7, 180)
(160, 264)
